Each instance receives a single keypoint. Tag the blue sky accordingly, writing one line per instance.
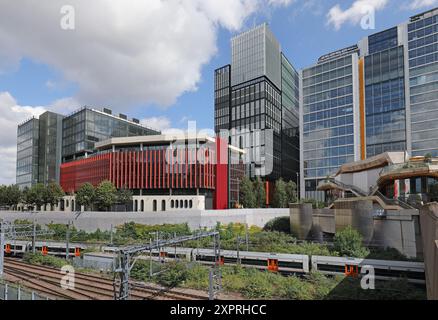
(302, 31)
(157, 70)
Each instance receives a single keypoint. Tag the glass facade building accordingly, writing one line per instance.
(85, 127)
(290, 102)
(381, 98)
(50, 144)
(27, 153)
(256, 53)
(385, 105)
(44, 144)
(423, 82)
(328, 117)
(252, 109)
(222, 98)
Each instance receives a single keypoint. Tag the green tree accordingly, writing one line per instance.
(3, 197)
(53, 194)
(86, 195)
(428, 157)
(10, 195)
(13, 195)
(279, 200)
(247, 195)
(291, 191)
(124, 196)
(35, 196)
(348, 242)
(106, 195)
(260, 193)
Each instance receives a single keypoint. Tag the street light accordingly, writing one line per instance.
(298, 185)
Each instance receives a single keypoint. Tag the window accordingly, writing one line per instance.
(154, 205)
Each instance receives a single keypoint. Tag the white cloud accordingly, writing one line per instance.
(122, 52)
(280, 2)
(337, 17)
(157, 123)
(12, 113)
(419, 4)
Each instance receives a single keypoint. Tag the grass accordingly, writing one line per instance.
(252, 283)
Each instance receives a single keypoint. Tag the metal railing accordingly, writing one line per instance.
(347, 187)
(404, 166)
(396, 202)
(16, 292)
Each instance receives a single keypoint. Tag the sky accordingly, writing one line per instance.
(154, 60)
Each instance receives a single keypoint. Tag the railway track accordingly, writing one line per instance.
(87, 286)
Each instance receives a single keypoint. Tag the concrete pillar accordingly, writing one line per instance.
(396, 189)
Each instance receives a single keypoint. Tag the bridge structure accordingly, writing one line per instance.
(10, 231)
(127, 257)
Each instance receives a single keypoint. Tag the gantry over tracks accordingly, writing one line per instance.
(127, 256)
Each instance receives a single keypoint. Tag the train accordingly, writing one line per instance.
(287, 264)
(19, 247)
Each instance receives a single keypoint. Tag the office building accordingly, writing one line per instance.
(27, 153)
(164, 172)
(49, 147)
(380, 95)
(85, 127)
(44, 144)
(423, 82)
(257, 105)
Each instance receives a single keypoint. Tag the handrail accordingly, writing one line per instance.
(397, 202)
(355, 189)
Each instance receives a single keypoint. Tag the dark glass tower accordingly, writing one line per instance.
(385, 105)
(50, 143)
(253, 111)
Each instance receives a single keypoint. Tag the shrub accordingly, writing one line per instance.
(348, 242)
(175, 274)
(38, 258)
(280, 224)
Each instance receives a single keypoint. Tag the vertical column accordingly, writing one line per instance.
(396, 189)
(362, 108)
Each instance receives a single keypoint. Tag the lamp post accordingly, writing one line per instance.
(298, 186)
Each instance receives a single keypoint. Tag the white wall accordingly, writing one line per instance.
(196, 202)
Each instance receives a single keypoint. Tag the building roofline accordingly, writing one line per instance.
(158, 139)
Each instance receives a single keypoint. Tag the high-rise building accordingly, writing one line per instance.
(257, 105)
(27, 153)
(329, 119)
(380, 95)
(44, 144)
(50, 144)
(423, 82)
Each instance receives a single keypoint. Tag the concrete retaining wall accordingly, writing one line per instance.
(90, 221)
(429, 232)
(398, 229)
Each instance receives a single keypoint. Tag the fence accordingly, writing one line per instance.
(14, 292)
